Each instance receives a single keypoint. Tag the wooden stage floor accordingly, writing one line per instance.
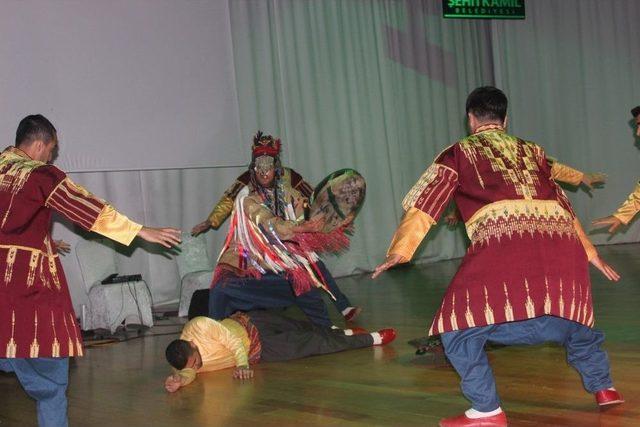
(122, 384)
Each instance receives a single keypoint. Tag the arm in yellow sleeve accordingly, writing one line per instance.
(187, 376)
(586, 243)
(630, 207)
(564, 173)
(114, 225)
(414, 226)
(221, 211)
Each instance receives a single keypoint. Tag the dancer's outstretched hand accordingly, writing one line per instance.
(594, 180)
(391, 260)
(62, 247)
(166, 237)
(605, 268)
(201, 228)
(243, 373)
(611, 221)
(173, 383)
(452, 218)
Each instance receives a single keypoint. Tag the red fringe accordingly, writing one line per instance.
(334, 242)
(300, 280)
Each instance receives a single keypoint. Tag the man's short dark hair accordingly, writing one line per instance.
(635, 111)
(33, 128)
(487, 103)
(178, 352)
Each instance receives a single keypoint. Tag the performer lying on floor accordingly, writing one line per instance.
(245, 339)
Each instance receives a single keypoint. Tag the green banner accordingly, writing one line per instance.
(483, 9)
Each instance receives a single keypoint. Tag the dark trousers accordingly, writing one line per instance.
(341, 302)
(270, 291)
(465, 351)
(45, 380)
(283, 338)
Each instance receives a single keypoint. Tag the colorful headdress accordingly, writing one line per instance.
(265, 145)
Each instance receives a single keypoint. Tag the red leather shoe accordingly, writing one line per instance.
(387, 335)
(352, 313)
(608, 397)
(499, 420)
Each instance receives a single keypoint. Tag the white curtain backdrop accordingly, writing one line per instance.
(126, 81)
(380, 85)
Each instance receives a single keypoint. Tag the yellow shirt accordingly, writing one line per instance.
(222, 345)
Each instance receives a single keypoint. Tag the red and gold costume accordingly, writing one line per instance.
(528, 254)
(224, 207)
(36, 316)
(262, 237)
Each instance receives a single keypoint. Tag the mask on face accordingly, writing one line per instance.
(264, 164)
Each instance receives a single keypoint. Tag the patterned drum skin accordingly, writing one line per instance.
(339, 198)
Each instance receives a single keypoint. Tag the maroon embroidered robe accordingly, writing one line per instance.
(528, 255)
(36, 315)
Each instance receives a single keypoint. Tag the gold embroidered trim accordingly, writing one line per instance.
(547, 298)
(504, 153)
(54, 272)
(509, 217)
(423, 182)
(12, 347)
(468, 314)
(79, 351)
(55, 346)
(561, 303)
(70, 185)
(508, 308)
(11, 259)
(69, 341)
(488, 311)
(453, 319)
(529, 306)
(34, 349)
(16, 167)
(580, 308)
(27, 248)
(33, 264)
(55, 189)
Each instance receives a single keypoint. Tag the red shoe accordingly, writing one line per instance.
(387, 335)
(499, 420)
(352, 313)
(608, 397)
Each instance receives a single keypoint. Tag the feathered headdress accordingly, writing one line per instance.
(265, 145)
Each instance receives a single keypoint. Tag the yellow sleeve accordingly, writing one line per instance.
(187, 376)
(630, 207)
(586, 243)
(263, 216)
(114, 225)
(564, 173)
(415, 224)
(221, 211)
